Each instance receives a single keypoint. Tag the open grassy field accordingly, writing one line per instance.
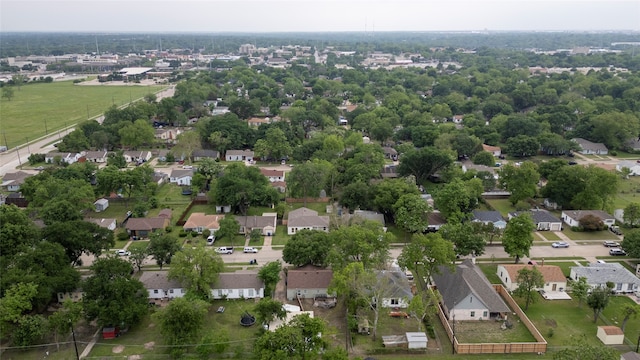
(59, 104)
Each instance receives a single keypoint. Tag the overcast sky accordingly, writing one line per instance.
(316, 15)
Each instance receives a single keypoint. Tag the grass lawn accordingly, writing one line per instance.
(61, 104)
(490, 332)
(589, 235)
(501, 205)
(629, 192)
(138, 244)
(281, 237)
(612, 315)
(550, 235)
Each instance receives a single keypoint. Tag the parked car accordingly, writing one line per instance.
(609, 243)
(560, 244)
(123, 252)
(615, 230)
(224, 250)
(249, 249)
(211, 239)
(617, 252)
(573, 163)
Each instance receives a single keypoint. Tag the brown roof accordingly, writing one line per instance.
(490, 148)
(309, 277)
(165, 213)
(203, 220)
(147, 223)
(550, 273)
(612, 330)
(271, 172)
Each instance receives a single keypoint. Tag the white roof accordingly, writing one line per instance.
(134, 70)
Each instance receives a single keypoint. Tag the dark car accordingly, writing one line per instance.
(573, 163)
(617, 252)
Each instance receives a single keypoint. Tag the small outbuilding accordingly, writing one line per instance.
(417, 340)
(101, 204)
(610, 335)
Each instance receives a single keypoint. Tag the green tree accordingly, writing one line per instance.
(632, 214)
(181, 321)
(529, 281)
(307, 179)
(229, 228)
(583, 349)
(456, 200)
(518, 236)
(274, 146)
(270, 275)
(422, 163)
(78, 237)
(631, 243)
(162, 247)
(213, 342)
(196, 269)
(136, 134)
(112, 296)
(300, 339)
(521, 181)
(466, 240)
(17, 231)
(629, 311)
(387, 193)
(367, 243)
(117, 159)
(424, 255)
(15, 303)
(522, 146)
(411, 213)
(307, 247)
(188, 142)
(484, 158)
(598, 299)
(61, 321)
(7, 93)
(268, 309)
(424, 306)
(243, 108)
(29, 330)
(243, 186)
(580, 290)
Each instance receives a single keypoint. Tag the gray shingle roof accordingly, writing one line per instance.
(467, 279)
(158, 280)
(539, 215)
(309, 277)
(239, 280)
(597, 273)
(487, 216)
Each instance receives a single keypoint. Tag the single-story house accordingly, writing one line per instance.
(467, 294)
(598, 274)
(390, 153)
(75, 295)
(494, 150)
(68, 158)
(181, 176)
(143, 227)
(436, 220)
(160, 287)
(16, 199)
(256, 122)
(633, 144)
(12, 181)
(110, 224)
(99, 157)
(243, 284)
(543, 219)
(168, 134)
(633, 166)
(199, 155)
(136, 156)
(399, 292)
(590, 148)
(160, 177)
(308, 282)
(554, 279)
(610, 335)
(239, 155)
(304, 218)
(101, 204)
(266, 224)
(281, 186)
(272, 174)
(389, 171)
(489, 217)
(366, 215)
(573, 217)
(478, 168)
(199, 221)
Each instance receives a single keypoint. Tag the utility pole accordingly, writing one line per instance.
(73, 334)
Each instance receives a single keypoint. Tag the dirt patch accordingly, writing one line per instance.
(149, 345)
(152, 325)
(551, 323)
(134, 357)
(117, 349)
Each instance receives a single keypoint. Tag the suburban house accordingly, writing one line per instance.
(110, 224)
(390, 153)
(489, 217)
(239, 155)
(99, 157)
(304, 218)
(633, 166)
(467, 294)
(281, 186)
(543, 219)
(136, 156)
(68, 158)
(590, 148)
(198, 222)
(272, 174)
(436, 220)
(633, 144)
(573, 217)
(398, 292)
(160, 178)
(360, 215)
(308, 282)
(167, 134)
(597, 275)
(478, 168)
(181, 176)
(389, 171)
(201, 154)
(265, 223)
(256, 122)
(243, 284)
(554, 279)
(160, 287)
(141, 228)
(101, 204)
(494, 150)
(75, 295)
(13, 181)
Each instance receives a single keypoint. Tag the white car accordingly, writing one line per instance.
(560, 244)
(224, 250)
(249, 249)
(210, 240)
(123, 252)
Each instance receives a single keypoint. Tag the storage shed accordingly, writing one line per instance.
(101, 204)
(610, 335)
(417, 340)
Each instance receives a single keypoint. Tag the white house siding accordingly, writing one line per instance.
(305, 293)
(395, 303)
(293, 230)
(470, 308)
(182, 180)
(237, 293)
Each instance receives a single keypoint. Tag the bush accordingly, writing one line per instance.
(522, 206)
(550, 332)
(206, 233)
(591, 223)
(613, 153)
(168, 229)
(182, 233)
(484, 158)
(123, 235)
(153, 202)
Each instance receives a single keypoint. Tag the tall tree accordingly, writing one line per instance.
(521, 181)
(188, 142)
(78, 237)
(181, 322)
(274, 146)
(300, 339)
(422, 163)
(529, 281)
(412, 213)
(632, 214)
(162, 247)
(243, 186)
(598, 299)
(631, 243)
(456, 201)
(580, 289)
(229, 228)
(425, 254)
(136, 134)
(466, 240)
(518, 236)
(61, 321)
(196, 269)
(307, 179)
(629, 311)
(268, 309)
(270, 275)
(367, 243)
(307, 247)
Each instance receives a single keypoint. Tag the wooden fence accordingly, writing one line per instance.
(540, 346)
